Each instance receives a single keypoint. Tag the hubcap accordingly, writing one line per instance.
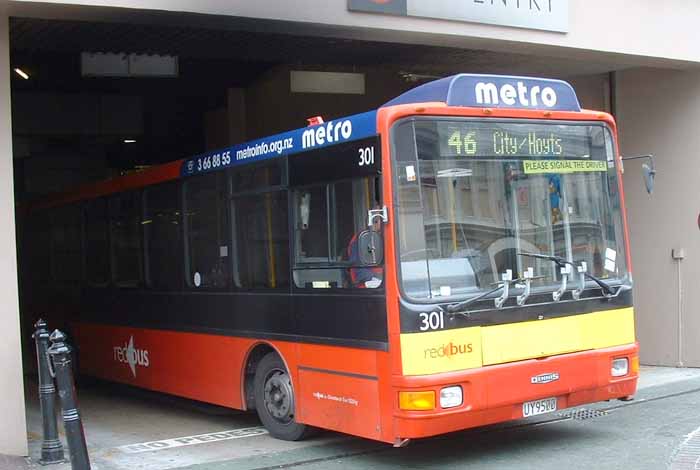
(279, 399)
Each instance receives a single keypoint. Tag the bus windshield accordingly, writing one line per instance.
(473, 194)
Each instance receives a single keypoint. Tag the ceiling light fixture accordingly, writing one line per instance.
(129, 141)
(21, 73)
(417, 77)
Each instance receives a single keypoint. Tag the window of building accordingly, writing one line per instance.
(97, 266)
(162, 228)
(207, 230)
(125, 237)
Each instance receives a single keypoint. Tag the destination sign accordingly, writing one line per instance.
(469, 139)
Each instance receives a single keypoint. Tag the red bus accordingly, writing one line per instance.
(455, 258)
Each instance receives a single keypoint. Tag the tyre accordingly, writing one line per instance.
(274, 400)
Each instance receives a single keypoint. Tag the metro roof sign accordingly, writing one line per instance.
(495, 91)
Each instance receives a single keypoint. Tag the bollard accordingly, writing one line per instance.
(62, 370)
(51, 447)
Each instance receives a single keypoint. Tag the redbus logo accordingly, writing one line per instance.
(490, 94)
(128, 354)
(447, 350)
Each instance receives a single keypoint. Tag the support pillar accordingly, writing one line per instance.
(13, 427)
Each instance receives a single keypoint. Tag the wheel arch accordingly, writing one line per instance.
(255, 353)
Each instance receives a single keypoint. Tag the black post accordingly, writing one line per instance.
(51, 447)
(63, 371)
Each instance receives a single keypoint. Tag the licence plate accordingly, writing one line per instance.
(539, 407)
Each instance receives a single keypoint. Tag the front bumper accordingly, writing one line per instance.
(496, 393)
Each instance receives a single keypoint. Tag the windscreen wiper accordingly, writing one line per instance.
(608, 291)
(504, 285)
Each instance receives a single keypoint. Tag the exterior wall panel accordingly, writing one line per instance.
(13, 437)
(658, 113)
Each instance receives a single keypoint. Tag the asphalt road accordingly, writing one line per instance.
(652, 432)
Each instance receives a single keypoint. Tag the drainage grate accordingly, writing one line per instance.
(687, 455)
(583, 413)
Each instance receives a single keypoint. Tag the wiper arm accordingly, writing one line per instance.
(558, 260)
(562, 262)
(453, 308)
(503, 285)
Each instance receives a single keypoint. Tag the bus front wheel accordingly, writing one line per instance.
(274, 400)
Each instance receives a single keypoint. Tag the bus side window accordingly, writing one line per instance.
(262, 240)
(328, 221)
(162, 234)
(97, 265)
(125, 238)
(207, 231)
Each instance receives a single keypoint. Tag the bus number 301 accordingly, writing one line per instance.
(366, 156)
(432, 321)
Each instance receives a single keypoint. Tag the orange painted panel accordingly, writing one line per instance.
(339, 402)
(197, 366)
(341, 359)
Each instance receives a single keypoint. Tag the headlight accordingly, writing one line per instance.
(451, 397)
(620, 367)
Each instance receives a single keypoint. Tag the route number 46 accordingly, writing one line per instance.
(366, 156)
(466, 143)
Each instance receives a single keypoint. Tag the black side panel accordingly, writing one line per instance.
(349, 320)
(336, 163)
(349, 316)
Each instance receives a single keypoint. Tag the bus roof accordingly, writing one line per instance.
(494, 91)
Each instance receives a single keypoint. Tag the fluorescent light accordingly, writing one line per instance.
(129, 141)
(327, 82)
(22, 73)
(100, 64)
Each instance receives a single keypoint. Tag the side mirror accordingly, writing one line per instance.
(370, 247)
(648, 171)
(648, 174)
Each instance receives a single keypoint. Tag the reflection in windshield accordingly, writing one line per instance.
(469, 204)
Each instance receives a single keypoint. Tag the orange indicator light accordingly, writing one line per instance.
(417, 401)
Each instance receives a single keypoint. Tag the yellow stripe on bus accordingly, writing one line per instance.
(469, 348)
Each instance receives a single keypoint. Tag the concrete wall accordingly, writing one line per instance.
(658, 112)
(636, 29)
(271, 106)
(13, 438)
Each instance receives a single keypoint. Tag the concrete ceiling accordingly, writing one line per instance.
(29, 36)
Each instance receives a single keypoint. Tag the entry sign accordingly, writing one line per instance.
(547, 15)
